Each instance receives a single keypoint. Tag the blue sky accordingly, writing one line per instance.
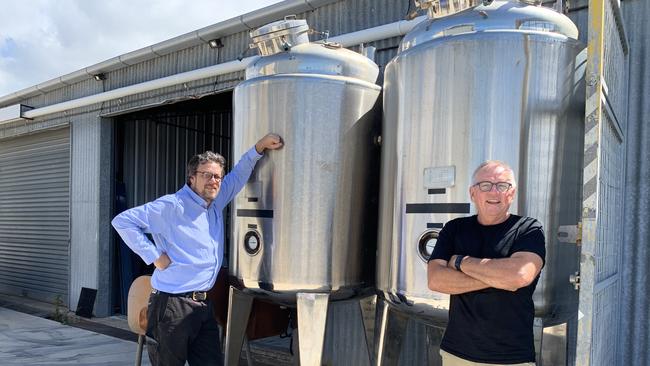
(7, 47)
(43, 39)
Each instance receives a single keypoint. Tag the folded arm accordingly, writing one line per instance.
(442, 278)
(512, 273)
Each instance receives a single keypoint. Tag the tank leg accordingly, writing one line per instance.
(368, 307)
(312, 320)
(538, 334)
(388, 342)
(554, 346)
(434, 338)
(239, 309)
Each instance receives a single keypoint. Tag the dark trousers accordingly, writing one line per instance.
(180, 329)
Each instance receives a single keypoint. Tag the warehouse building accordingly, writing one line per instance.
(78, 149)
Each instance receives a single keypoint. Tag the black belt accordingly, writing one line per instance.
(194, 295)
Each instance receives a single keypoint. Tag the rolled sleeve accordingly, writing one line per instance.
(444, 248)
(133, 224)
(531, 239)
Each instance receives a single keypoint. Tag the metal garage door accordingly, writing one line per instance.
(34, 215)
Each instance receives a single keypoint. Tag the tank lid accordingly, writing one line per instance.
(315, 59)
(280, 36)
(495, 16)
(288, 23)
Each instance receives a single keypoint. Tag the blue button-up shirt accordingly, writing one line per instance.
(183, 226)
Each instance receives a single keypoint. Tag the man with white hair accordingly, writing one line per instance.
(489, 263)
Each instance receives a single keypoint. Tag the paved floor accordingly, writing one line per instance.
(29, 337)
(30, 340)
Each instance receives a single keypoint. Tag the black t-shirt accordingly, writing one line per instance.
(491, 325)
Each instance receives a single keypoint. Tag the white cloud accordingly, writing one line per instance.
(44, 39)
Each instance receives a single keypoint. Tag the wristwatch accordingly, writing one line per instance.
(458, 261)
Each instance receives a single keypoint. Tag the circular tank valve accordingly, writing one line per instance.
(252, 242)
(426, 244)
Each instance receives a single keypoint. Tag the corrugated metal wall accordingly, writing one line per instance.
(634, 335)
(34, 215)
(19, 128)
(86, 170)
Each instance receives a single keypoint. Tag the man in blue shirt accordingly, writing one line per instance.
(187, 228)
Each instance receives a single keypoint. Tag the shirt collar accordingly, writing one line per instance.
(194, 197)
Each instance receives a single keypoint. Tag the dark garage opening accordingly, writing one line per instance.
(151, 150)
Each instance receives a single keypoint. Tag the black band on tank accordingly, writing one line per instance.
(255, 213)
(421, 208)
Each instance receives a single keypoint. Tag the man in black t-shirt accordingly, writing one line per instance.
(489, 264)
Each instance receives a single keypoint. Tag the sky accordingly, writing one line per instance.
(43, 39)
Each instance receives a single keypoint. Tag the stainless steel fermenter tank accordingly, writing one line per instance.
(302, 222)
(498, 81)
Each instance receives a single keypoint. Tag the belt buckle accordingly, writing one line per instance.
(199, 295)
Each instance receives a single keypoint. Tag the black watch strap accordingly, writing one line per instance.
(459, 260)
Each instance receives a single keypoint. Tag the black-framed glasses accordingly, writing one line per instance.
(208, 176)
(487, 186)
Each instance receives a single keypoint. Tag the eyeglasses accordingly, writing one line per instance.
(208, 176)
(486, 186)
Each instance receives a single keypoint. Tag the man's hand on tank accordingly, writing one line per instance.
(270, 141)
(162, 262)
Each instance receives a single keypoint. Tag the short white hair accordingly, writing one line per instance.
(498, 163)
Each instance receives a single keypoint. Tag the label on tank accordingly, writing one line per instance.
(439, 177)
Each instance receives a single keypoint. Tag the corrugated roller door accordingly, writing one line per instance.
(34, 215)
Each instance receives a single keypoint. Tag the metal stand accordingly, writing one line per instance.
(239, 309)
(434, 338)
(391, 332)
(538, 334)
(312, 320)
(551, 348)
(368, 307)
(138, 353)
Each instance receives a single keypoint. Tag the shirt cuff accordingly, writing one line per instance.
(151, 255)
(253, 154)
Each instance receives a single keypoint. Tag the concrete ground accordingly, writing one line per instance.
(30, 336)
(30, 340)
